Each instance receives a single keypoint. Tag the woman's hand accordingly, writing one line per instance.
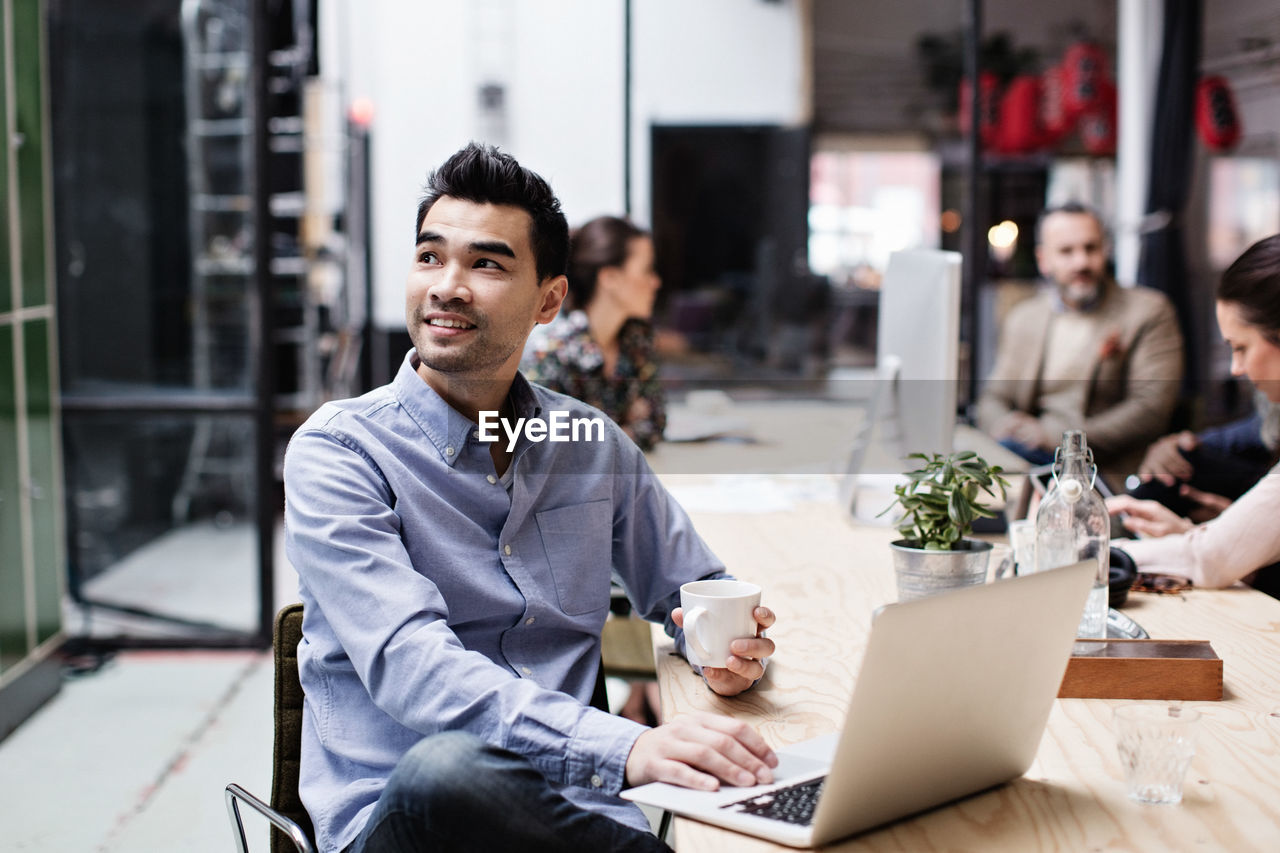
(1147, 518)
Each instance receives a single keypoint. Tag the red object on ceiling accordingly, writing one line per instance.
(1084, 67)
(1098, 124)
(1217, 119)
(1020, 130)
(1054, 118)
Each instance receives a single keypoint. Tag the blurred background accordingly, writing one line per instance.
(209, 202)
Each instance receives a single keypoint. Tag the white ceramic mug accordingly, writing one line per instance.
(717, 612)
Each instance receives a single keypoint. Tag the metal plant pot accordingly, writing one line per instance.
(920, 572)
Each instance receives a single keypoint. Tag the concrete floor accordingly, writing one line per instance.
(134, 755)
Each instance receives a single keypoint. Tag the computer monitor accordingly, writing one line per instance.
(919, 326)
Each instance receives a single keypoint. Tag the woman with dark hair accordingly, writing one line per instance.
(602, 350)
(1245, 537)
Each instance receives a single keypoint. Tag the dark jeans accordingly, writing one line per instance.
(454, 792)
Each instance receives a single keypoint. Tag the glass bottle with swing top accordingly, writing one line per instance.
(1072, 525)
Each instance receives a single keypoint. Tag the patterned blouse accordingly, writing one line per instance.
(562, 356)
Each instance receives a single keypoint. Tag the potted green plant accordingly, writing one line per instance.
(940, 501)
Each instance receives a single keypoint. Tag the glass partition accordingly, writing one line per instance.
(156, 228)
(162, 517)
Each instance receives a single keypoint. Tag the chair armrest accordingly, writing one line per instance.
(236, 794)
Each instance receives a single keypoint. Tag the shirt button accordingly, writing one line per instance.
(448, 451)
(492, 479)
(476, 435)
(526, 670)
(506, 549)
(596, 781)
(529, 621)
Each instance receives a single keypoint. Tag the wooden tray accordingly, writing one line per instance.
(1143, 669)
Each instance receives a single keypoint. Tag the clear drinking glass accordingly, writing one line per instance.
(1022, 536)
(1156, 744)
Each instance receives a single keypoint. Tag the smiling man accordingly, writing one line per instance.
(456, 587)
(1085, 353)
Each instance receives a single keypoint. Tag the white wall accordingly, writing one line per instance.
(566, 100)
(714, 62)
(406, 58)
(421, 61)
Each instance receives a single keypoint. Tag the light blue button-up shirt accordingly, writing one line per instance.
(440, 597)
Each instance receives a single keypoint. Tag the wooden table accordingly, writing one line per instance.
(824, 575)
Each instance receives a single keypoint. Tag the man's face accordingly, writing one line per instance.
(473, 293)
(1072, 254)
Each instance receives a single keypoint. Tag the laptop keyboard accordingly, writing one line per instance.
(794, 804)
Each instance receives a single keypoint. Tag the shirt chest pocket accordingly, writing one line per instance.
(578, 540)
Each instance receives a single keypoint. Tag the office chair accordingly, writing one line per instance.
(289, 819)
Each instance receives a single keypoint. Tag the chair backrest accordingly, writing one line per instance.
(288, 727)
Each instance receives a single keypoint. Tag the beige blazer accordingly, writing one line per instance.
(1131, 362)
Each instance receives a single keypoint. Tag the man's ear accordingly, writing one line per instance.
(553, 293)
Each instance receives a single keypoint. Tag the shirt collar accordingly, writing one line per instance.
(444, 426)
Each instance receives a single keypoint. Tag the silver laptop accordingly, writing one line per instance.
(952, 698)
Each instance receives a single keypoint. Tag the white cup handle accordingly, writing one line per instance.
(691, 620)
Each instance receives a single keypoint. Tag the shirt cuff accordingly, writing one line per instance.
(1162, 554)
(599, 751)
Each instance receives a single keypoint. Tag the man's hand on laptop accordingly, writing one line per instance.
(700, 751)
(746, 665)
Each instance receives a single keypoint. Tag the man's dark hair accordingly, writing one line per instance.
(482, 174)
(1253, 283)
(1067, 207)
